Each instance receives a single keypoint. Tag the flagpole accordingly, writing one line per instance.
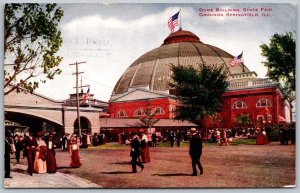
(180, 18)
(243, 62)
(77, 96)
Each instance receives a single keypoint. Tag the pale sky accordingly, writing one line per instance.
(111, 37)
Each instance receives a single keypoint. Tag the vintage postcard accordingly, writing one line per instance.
(172, 95)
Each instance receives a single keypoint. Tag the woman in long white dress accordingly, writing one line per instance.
(40, 165)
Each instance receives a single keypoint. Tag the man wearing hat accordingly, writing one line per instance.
(64, 140)
(196, 151)
(30, 145)
(135, 152)
(178, 138)
(7, 154)
(171, 137)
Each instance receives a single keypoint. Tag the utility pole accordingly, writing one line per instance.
(77, 95)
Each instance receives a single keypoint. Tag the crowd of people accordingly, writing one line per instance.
(98, 139)
(287, 132)
(39, 151)
(222, 135)
(263, 135)
(153, 138)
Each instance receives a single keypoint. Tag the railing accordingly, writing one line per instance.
(250, 83)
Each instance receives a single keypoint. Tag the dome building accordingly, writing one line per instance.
(145, 85)
(152, 70)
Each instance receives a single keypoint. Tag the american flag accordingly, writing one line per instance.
(173, 21)
(85, 96)
(237, 60)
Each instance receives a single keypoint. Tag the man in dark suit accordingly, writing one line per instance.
(178, 138)
(171, 137)
(196, 151)
(135, 153)
(30, 145)
(154, 139)
(7, 155)
(64, 142)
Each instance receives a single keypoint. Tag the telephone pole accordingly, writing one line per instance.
(77, 95)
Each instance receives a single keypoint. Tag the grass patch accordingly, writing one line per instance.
(167, 144)
(242, 141)
(110, 146)
(123, 146)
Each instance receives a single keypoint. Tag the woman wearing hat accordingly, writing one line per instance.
(144, 147)
(261, 137)
(51, 160)
(75, 160)
(40, 165)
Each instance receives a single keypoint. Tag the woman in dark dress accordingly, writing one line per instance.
(51, 160)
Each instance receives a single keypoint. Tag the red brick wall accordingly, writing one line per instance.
(251, 97)
(226, 117)
(131, 106)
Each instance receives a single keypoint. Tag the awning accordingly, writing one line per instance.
(136, 123)
(11, 126)
(14, 124)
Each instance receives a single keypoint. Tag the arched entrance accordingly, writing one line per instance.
(33, 123)
(85, 125)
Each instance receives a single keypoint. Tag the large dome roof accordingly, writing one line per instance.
(152, 70)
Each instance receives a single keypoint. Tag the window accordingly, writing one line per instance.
(159, 111)
(260, 118)
(239, 105)
(263, 103)
(269, 118)
(122, 114)
(139, 112)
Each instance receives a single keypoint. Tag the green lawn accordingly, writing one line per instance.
(243, 141)
(116, 145)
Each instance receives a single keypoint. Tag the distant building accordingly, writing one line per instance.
(85, 100)
(32, 111)
(146, 82)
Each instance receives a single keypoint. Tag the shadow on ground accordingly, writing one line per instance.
(172, 174)
(65, 167)
(19, 170)
(117, 172)
(122, 163)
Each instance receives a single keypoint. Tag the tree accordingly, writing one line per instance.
(199, 91)
(149, 120)
(243, 120)
(281, 61)
(31, 41)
